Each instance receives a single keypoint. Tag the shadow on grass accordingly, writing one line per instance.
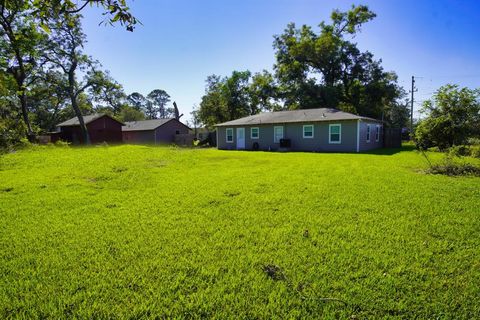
(389, 151)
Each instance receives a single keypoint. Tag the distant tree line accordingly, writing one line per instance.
(312, 70)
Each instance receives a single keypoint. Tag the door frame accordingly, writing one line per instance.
(237, 144)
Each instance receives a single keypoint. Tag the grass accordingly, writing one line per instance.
(145, 232)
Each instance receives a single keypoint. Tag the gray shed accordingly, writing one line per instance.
(323, 130)
(154, 131)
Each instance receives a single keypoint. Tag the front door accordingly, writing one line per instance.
(240, 138)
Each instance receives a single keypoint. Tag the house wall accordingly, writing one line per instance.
(163, 134)
(99, 130)
(166, 133)
(294, 132)
(364, 145)
(139, 137)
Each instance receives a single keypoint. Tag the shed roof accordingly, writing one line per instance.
(146, 125)
(87, 119)
(302, 115)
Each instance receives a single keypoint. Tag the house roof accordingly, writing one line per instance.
(302, 115)
(87, 119)
(146, 125)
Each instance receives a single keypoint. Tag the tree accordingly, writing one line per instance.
(19, 48)
(453, 116)
(326, 69)
(128, 113)
(213, 107)
(159, 100)
(137, 101)
(263, 92)
(107, 94)
(116, 11)
(48, 99)
(65, 53)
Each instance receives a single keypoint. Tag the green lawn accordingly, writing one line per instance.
(144, 232)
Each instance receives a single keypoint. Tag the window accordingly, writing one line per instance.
(177, 132)
(229, 135)
(377, 133)
(277, 134)
(368, 133)
(335, 133)
(308, 131)
(254, 133)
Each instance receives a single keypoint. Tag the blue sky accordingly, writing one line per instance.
(182, 42)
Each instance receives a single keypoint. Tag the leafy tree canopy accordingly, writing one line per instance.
(452, 117)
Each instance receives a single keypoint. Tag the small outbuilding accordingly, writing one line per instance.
(156, 131)
(101, 128)
(323, 130)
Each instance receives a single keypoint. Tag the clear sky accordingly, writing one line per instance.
(182, 42)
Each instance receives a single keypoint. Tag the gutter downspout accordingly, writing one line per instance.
(358, 135)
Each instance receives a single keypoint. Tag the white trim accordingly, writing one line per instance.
(339, 125)
(226, 135)
(274, 136)
(239, 145)
(377, 133)
(358, 135)
(313, 131)
(368, 133)
(258, 133)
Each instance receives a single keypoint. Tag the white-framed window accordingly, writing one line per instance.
(308, 131)
(254, 133)
(368, 133)
(377, 133)
(277, 134)
(229, 135)
(335, 133)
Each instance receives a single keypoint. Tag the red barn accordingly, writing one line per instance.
(101, 128)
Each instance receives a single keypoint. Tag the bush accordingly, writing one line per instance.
(459, 151)
(451, 168)
(475, 151)
(455, 169)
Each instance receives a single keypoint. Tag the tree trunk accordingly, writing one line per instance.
(73, 100)
(78, 113)
(23, 103)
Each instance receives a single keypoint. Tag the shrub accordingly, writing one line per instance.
(475, 151)
(455, 169)
(459, 151)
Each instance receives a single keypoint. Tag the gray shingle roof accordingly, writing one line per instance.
(144, 125)
(86, 119)
(303, 115)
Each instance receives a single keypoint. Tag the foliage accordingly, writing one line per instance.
(158, 105)
(115, 11)
(128, 113)
(326, 69)
(140, 232)
(236, 96)
(453, 116)
(450, 167)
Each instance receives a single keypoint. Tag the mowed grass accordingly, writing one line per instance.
(145, 232)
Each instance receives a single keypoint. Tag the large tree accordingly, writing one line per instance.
(20, 44)
(452, 117)
(65, 53)
(159, 100)
(227, 98)
(326, 68)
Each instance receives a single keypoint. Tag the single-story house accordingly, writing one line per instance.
(153, 131)
(101, 128)
(323, 129)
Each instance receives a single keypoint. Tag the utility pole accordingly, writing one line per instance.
(411, 107)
